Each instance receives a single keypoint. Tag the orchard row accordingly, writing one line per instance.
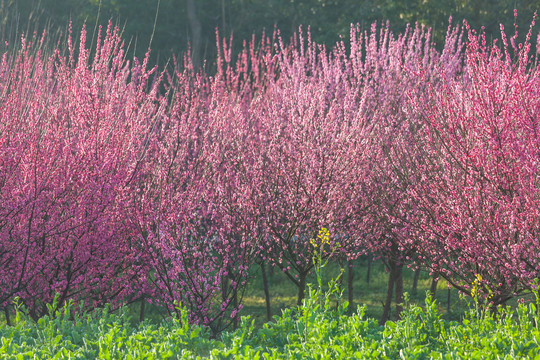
(122, 183)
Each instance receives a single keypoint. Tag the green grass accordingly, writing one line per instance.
(316, 330)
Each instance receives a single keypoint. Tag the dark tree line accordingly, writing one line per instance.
(184, 22)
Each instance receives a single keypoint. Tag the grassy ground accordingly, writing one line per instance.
(373, 294)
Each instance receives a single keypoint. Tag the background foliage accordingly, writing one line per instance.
(329, 19)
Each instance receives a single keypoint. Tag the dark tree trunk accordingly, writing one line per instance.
(389, 292)
(368, 274)
(235, 303)
(8, 319)
(224, 291)
(433, 287)
(398, 283)
(350, 279)
(223, 17)
(195, 26)
(224, 288)
(414, 289)
(301, 287)
(266, 292)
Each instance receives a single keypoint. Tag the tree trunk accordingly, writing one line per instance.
(223, 17)
(224, 291)
(195, 26)
(266, 292)
(414, 289)
(398, 283)
(224, 288)
(235, 304)
(301, 287)
(433, 287)
(368, 274)
(350, 279)
(8, 319)
(389, 291)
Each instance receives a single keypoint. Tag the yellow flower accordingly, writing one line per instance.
(476, 284)
(324, 236)
(322, 239)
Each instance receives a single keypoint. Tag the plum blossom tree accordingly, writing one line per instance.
(71, 134)
(392, 70)
(192, 216)
(477, 176)
(308, 143)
